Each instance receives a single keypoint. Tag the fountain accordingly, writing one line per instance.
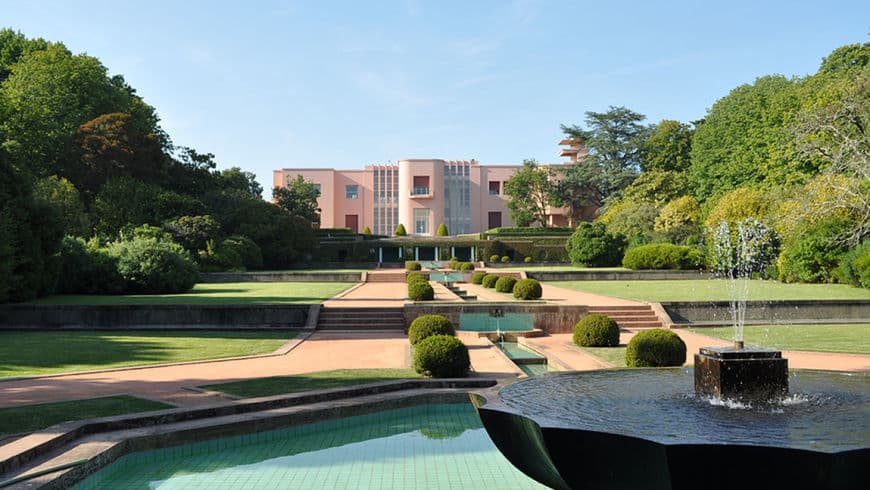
(674, 428)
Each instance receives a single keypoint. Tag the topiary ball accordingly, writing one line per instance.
(413, 266)
(526, 289)
(416, 277)
(489, 280)
(428, 325)
(466, 266)
(595, 330)
(477, 277)
(505, 259)
(494, 258)
(441, 356)
(655, 348)
(420, 291)
(528, 260)
(505, 284)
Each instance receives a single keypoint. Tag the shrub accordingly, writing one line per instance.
(413, 266)
(634, 221)
(466, 266)
(489, 280)
(420, 291)
(428, 325)
(367, 231)
(663, 256)
(87, 269)
(854, 269)
(494, 258)
(453, 265)
(441, 356)
(528, 260)
(442, 230)
(679, 219)
(526, 289)
(400, 230)
(596, 330)
(814, 255)
(505, 284)
(192, 232)
(505, 259)
(416, 277)
(154, 266)
(477, 277)
(591, 245)
(655, 348)
(738, 205)
(248, 252)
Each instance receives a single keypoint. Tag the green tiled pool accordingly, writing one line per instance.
(429, 446)
(510, 322)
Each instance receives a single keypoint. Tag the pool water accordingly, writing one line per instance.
(529, 361)
(429, 446)
(510, 322)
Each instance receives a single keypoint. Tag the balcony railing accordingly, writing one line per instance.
(420, 192)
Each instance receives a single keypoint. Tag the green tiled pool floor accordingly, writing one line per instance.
(510, 322)
(430, 446)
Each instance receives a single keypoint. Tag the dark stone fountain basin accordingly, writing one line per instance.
(646, 429)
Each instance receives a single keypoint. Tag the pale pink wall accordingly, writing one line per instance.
(434, 169)
(488, 203)
(326, 202)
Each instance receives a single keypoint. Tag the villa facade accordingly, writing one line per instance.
(420, 194)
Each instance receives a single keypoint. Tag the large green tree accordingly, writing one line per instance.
(299, 198)
(530, 190)
(615, 140)
(13, 46)
(668, 147)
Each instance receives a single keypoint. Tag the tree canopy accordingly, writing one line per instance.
(299, 198)
(531, 192)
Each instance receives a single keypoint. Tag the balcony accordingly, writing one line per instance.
(421, 193)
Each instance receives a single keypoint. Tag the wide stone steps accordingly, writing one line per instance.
(630, 316)
(361, 319)
(385, 277)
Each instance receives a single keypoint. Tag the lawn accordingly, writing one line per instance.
(557, 268)
(712, 290)
(232, 293)
(29, 418)
(613, 355)
(849, 338)
(48, 352)
(310, 381)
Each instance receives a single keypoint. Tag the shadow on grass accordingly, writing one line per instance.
(323, 380)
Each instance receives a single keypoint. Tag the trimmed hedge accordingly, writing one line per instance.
(420, 291)
(416, 277)
(655, 348)
(428, 325)
(494, 258)
(596, 330)
(527, 289)
(505, 284)
(466, 266)
(477, 277)
(489, 280)
(441, 356)
(528, 231)
(663, 256)
(413, 266)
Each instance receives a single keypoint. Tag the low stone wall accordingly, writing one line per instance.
(549, 318)
(617, 275)
(153, 316)
(771, 312)
(280, 276)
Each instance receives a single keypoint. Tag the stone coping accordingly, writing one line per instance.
(102, 441)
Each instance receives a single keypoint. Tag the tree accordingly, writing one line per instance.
(299, 198)
(367, 231)
(668, 147)
(615, 140)
(656, 187)
(635, 222)
(577, 188)
(13, 47)
(531, 192)
(442, 230)
(64, 197)
(124, 202)
(679, 219)
(193, 232)
(236, 178)
(400, 230)
(739, 205)
(846, 58)
(592, 245)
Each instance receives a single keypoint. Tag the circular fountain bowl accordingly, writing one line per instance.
(645, 428)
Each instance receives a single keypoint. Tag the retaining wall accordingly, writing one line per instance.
(549, 318)
(280, 276)
(164, 316)
(771, 312)
(593, 275)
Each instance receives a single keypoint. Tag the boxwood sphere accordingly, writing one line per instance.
(425, 326)
(528, 289)
(477, 277)
(655, 348)
(420, 291)
(466, 266)
(505, 284)
(489, 280)
(595, 330)
(413, 266)
(441, 356)
(416, 277)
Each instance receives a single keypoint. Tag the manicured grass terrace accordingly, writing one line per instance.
(712, 290)
(613, 355)
(49, 352)
(232, 293)
(846, 338)
(310, 381)
(28, 418)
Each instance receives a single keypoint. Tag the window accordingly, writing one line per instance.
(421, 221)
(494, 187)
(317, 188)
(351, 192)
(421, 186)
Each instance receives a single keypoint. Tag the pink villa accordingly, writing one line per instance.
(420, 194)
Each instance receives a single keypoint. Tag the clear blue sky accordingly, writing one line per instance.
(269, 84)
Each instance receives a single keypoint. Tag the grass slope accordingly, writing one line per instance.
(847, 338)
(310, 381)
(30, 418)
(48, 352)
(234, 293)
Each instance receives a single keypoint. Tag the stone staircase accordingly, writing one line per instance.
(386, 276)
(630, 316)
(463, 294)
(374, 318)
